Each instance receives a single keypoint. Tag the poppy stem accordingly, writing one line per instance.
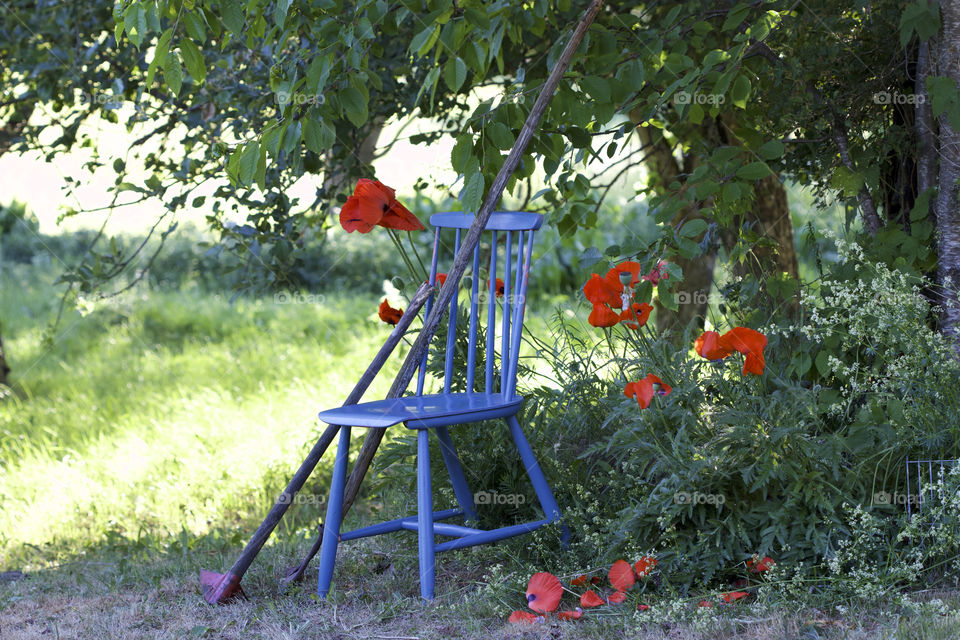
(403, 253)
(416, 253)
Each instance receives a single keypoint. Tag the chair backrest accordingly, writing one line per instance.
(508, 239)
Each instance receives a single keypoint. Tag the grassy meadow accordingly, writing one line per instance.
(144, 439)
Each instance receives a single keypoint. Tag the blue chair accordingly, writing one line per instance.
(513, 233)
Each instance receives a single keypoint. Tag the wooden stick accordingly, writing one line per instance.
(374, 436)
(220, 587)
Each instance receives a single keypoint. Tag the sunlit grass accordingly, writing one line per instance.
(163, 410)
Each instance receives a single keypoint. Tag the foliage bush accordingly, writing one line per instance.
(729, 465)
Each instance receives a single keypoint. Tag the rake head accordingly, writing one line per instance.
(218, 588)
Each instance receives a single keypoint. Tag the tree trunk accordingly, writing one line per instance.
(4, 369)
(697, 272)
(948, 218)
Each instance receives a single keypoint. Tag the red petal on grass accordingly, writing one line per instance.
(733, 596)
(621, 575)
(576, 614)
(523, 617)
(543, 592)
(617, 597)
(759, 566)
(591, 599)
(388, 314)
(644, 566)
(642, 607)
(705, 603)
(580, 580)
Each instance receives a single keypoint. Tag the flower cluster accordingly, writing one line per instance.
(612, 297)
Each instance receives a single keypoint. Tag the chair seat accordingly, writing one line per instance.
(422, 412)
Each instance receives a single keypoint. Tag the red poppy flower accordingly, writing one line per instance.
(590, 599)
(523, 617)
(750, 343)
(388, 314)
(373, 203)
(708, 345)
(600, 291)
(629, 266)
(642, 607)
(576, 614)
(441, 278)
(759, 566)
(603, 316)
(644, 566)
(498, 285)
(733, 596)
(543, 592)
(645, 389)
(621, 575)
(637, 316)
(705, 603)
(617, 597)
(657, 274)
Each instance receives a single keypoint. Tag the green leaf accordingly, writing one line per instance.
(771, 150)
(196, 29)
(477, 17)
(194, 60)
(499, 135)
(693, 228)
(422, 42)
(462, 152)
(280, 12)
(455, 73)
(472, 192)
(740, 91)
(135, 23)
(247, 162)
(596, 87)
(354, 105)
(312, 136)
(232, 16)
(753, 171)
(159, 55)
(173, 72)
(823, 363)
(695, 113)
(849, 182)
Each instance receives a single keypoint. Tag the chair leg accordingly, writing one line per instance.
(425, 515)
(540, 486)
(331, 524)
(457, 479)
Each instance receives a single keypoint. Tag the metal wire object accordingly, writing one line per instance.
(920, 475)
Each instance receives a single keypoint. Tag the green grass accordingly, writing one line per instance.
(162, 411)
